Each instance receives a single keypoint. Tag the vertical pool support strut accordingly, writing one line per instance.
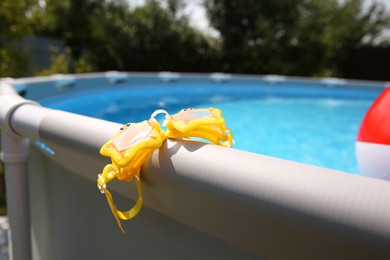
(14, 154)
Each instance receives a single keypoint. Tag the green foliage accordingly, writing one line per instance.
(14, 17)
(13, 61)
(289, 37)
(292, 37)
(68, 20)
(149, 37)
(83, 65)
(62, 63)
(14, 25)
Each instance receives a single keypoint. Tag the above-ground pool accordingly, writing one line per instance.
(312, 123)
(200, 201)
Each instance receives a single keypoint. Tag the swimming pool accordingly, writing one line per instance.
(304, 122)
(200, 200)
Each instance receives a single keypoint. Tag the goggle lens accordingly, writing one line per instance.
(132, 135)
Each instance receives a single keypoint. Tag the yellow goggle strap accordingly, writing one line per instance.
(126, 215)
(109, 174)
(219, 135)
(186, 124)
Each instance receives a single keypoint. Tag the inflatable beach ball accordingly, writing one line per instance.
(373, 141)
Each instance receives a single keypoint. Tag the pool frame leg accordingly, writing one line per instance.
(15, 152)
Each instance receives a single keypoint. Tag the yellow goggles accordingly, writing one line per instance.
(202, 123)
(133, 144)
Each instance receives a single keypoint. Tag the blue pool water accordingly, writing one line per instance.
(316, 126)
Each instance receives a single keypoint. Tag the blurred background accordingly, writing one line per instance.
(332, 38)
(314, 38)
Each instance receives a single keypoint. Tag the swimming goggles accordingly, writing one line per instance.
(133, 144)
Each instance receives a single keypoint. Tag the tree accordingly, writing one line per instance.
(14, 26)
(112, 36)
(148, 38)
(68, 20)
(292, 37)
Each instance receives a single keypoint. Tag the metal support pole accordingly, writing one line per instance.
(14, 154)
